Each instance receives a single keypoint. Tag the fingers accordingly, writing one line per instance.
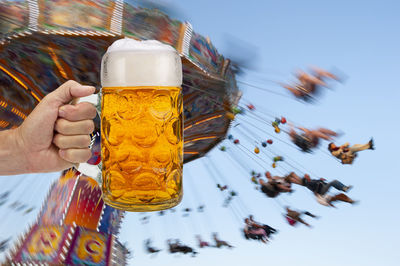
(68, 91)
(75, 155)
(65, 127)
(74, 123)
(81, 111)
(69, 142)
(73, 139)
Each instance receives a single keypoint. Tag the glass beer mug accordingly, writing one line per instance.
(141, 126)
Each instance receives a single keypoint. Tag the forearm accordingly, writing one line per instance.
(11, 154)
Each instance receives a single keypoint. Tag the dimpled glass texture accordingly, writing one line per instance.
(142, 147)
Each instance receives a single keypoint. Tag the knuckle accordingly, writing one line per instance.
(71, 82)
(45, 101)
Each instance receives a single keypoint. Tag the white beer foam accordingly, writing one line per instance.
(129, 63)
(128, 44)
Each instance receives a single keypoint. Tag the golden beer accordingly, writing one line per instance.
(142, 138)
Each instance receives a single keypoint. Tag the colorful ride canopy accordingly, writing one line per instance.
(45, 43)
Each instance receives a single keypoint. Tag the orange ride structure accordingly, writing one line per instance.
(44, 43)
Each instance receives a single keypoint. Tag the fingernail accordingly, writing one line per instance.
(61, 112)
(90, 87)
(83, 90)
(62, 153)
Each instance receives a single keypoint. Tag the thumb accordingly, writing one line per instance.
(69, 91)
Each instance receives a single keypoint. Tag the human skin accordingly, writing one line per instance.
(55, 136)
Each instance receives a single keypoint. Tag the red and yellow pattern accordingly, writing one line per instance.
(86, 204)
(43, 244)
(57, 201)
(45, 241)
(89, 248)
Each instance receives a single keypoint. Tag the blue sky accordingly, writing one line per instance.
(359, 38)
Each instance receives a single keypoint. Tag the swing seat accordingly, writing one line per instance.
(230, 115)
(250, 106)
(264, 144)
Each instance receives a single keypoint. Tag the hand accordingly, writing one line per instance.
(56, 135)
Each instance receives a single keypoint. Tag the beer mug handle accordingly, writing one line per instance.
(92, 167)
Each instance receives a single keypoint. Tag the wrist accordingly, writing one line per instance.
(12, 155)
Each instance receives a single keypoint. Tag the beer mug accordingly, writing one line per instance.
(141, 126)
